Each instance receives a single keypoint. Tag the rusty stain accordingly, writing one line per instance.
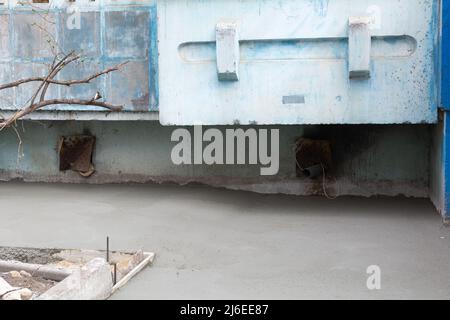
(75, 153)
(312, 152)
(141, 103)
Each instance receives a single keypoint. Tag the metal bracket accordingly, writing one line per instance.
(359, 48)
(227, 51)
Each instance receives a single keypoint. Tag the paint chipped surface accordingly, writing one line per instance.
(292, 46)
(110, 32)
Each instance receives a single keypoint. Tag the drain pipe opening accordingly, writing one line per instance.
(313, 172)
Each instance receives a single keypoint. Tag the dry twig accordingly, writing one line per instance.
(56, 67)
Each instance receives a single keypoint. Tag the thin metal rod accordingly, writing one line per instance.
(107, 249)
(115, 273)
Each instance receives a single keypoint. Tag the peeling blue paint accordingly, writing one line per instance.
(321, 7)
(299, 45)
(111, 32)
(295, 48)
(446, 164)
(442, 138)
(445, 60)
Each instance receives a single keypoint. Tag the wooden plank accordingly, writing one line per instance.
(149, 257)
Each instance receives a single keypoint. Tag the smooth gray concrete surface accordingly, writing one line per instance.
(214, 244)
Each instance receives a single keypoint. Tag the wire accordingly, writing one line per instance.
(324, 176)
(324, 187)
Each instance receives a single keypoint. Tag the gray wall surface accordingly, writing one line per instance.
(368, 160)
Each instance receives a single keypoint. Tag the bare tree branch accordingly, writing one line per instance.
(20, 114)
(71, 57)
(57, 66)
(67, 83)
(54, 70)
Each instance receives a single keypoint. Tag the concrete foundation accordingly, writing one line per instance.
(367, 160)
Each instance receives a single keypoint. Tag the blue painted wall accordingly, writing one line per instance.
(370, 160)
(110, 33)
(294, 62)
(440, 180)
(445, 47)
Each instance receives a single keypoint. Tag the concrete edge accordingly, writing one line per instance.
(278, 185)
(68, 115)
(447, 221)
(149, 258)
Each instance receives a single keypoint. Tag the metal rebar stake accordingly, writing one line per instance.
(115, 273)
(107, 249)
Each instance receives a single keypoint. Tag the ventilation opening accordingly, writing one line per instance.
(75, 154)
(313, 158)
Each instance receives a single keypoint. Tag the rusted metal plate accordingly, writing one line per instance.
(310, 153)
(75, 153)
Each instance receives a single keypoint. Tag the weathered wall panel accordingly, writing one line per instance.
(369, 160)
(110, 32)
(298, 48)
(445, 56)
(87, 40)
